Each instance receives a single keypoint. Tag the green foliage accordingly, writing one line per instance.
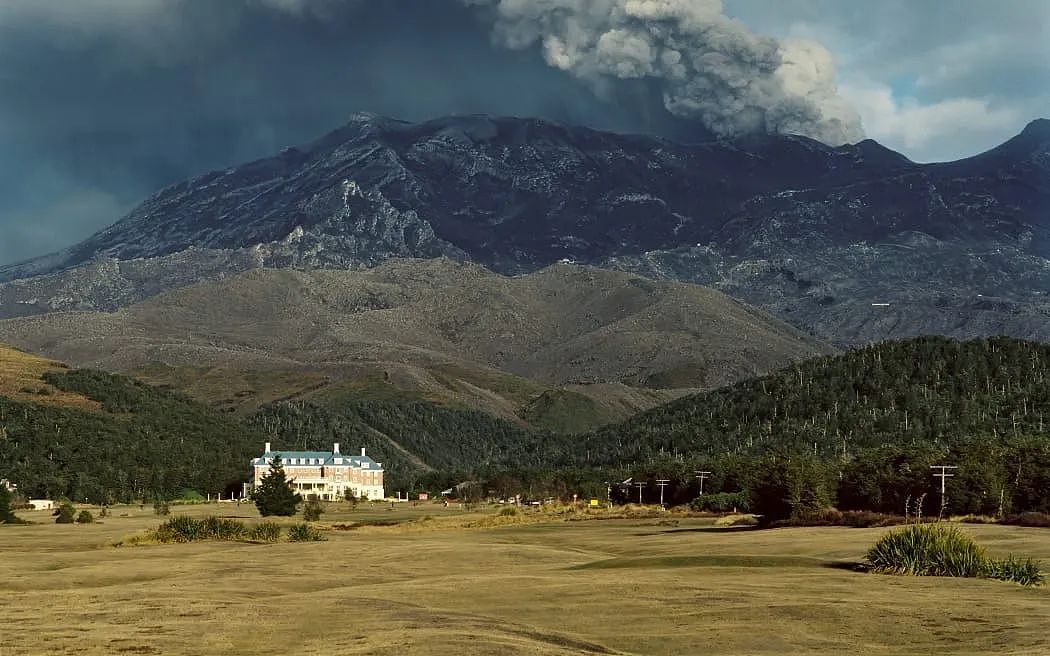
(161, 507)
(930, 390)
(509, 511)
(190, 496)
(190, 529)
(722, 502)
(265, 532)
(435, 436)
(7, 515)
(274, 496)
(1024, 571)
(85, 517)
(145, 442)
(304, 533)
(563, 411)
(66, 514)
(927, 550)
(312, 510)
(944, 550)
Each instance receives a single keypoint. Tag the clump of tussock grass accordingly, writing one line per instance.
(737, 520)
(944, 550)
(304, 533)
(265, 532)
(182, 529)
(189, 529)
(1019, 570)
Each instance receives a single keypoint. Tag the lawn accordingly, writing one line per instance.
(634, 586)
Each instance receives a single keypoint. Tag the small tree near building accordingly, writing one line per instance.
(7, 516)
(274, 496)
(313, 509)
(66, 514)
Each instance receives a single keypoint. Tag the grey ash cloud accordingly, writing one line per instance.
(104, 101)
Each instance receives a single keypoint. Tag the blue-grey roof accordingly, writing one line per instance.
(325, 457)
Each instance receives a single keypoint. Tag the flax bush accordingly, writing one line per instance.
(304, 533)
(265, 532)
(944, 550)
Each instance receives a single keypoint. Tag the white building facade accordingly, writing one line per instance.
(326, 474)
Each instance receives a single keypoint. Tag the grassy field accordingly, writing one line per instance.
(437, 586)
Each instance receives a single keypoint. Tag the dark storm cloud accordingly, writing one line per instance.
(100, 108)
(104, 101)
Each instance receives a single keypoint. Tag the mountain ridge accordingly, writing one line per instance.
(812, 233)
(440, 330)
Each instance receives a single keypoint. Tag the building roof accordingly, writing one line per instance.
(327, 458)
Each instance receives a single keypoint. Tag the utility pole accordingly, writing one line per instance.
(639, 486)
(662, 482)
(702, 476)
(942, 473)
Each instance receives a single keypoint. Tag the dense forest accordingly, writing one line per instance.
(926, 391)
(145, 443)
(407, 437)
(859, 431)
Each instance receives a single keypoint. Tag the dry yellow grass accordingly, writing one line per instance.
(629, 586)
(21, 379)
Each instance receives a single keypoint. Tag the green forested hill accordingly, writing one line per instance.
(142, 442)
(407, 437)
(930, 391)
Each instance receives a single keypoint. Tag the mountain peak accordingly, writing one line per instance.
(1039, 128)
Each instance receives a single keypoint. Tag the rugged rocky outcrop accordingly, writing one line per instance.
(824, 237)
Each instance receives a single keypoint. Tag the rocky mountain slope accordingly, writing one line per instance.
(434, 329)
(815, 234)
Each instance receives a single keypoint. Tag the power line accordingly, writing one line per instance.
(703, 476)
(662, 483)
(942, 473)
(639, 486)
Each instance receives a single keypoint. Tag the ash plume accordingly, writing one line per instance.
(709, 67)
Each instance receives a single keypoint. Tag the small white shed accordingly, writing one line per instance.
(42, 504)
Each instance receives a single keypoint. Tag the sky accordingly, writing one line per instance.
(102, 102)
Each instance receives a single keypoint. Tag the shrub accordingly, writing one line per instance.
(944, 550)
(312, 510)
(188, 495)
(85, 517)
(188, 529)
(304, 533)
(833, 517)
(265, 532)
(161, 508)
(179, 529)
(221, 528)
(737, 520)
(66, 514)
(1034, 519)
(7, 515)
(1025, 572)
(722, 502)
(508, 512)
(927, 550)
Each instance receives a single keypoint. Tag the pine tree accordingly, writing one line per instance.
(274, 496)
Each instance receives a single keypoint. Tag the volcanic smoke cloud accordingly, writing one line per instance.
(709, 66)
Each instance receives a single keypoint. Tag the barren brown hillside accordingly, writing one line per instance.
(21, 378)
(433, 328)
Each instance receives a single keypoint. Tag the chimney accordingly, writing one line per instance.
(335, 448)
(267, 448)
(362, 452)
